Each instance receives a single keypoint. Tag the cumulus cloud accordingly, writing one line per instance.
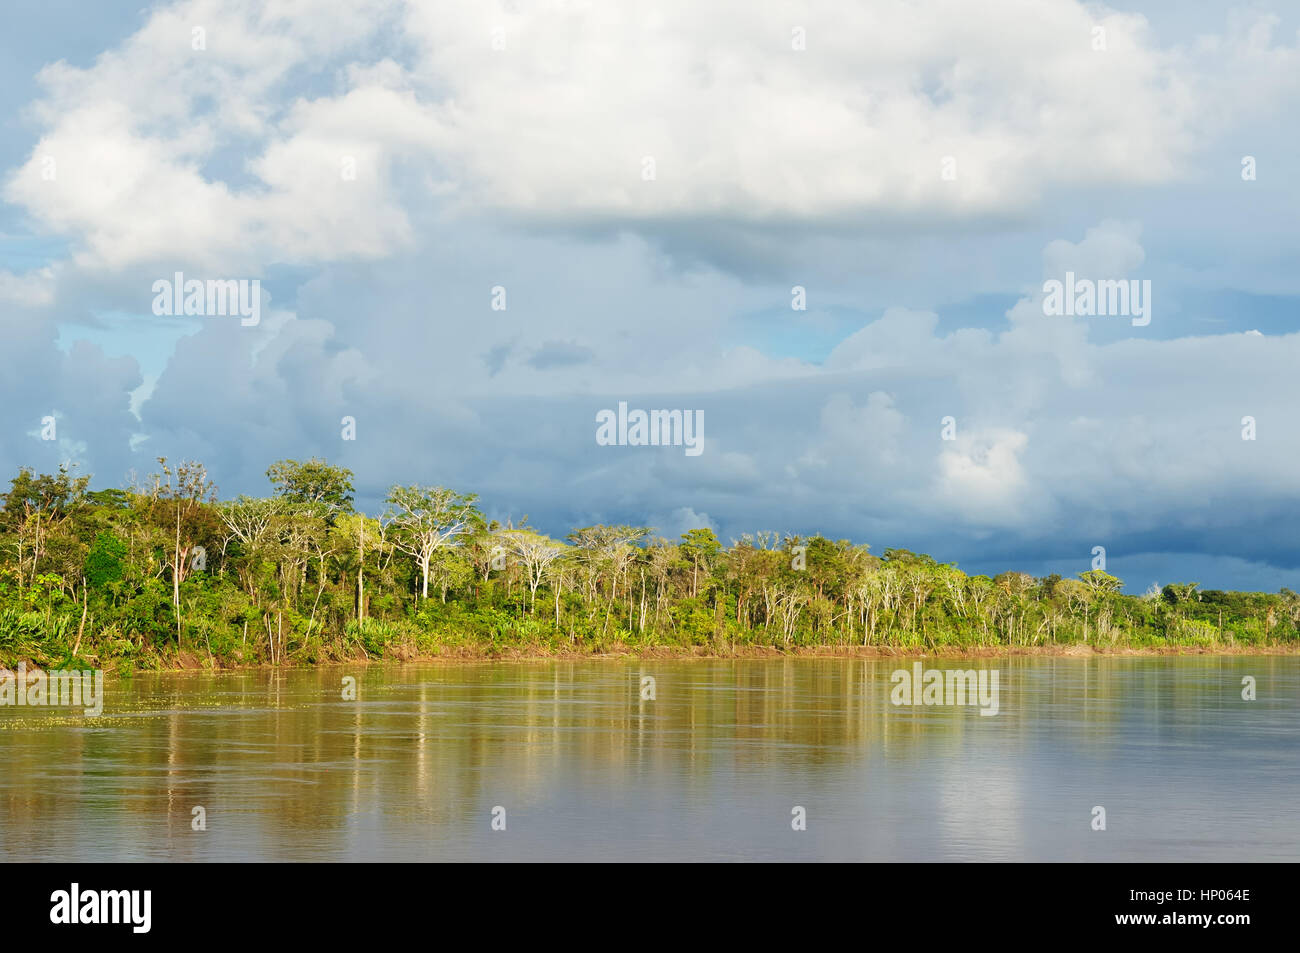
(384, 189)
(758, 113)
(749, 114)
(125, 144)
(674, 524)
(33, 288)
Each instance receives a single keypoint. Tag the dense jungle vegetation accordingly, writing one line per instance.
(165, 575)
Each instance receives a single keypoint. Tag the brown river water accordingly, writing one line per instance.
(576, 764)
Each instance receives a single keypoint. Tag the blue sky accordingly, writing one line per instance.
(505, 145)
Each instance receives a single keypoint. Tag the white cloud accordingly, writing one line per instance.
(230, 156)
(131, 136)
(32, 289)
(231, 159)
(853, 128)
(983, 479)
(680, 520)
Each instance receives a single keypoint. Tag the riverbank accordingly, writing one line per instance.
(188, 661)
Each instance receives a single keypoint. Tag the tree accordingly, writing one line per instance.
(1176, 593)
(123, 556)
(248, 519)
(1101, 582)
(609, 547)
(176, 497)
(426, 519)
(36, 504)
(702, 547)
(536, 552)
(481, 547)
(449, 569)
(369, 537)
(104, 561)
(313, 481)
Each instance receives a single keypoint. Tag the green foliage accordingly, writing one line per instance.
(172, 577)
(313, 481)
(1100, 581)
(105, 561)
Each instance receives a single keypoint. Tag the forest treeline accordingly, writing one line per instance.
(164, 574)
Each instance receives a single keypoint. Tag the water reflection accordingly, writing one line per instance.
(587, 768)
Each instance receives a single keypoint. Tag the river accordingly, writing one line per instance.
(576, 762)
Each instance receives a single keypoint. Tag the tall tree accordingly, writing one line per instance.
(535, 553)
(36, 504)
(426, 519)
(702, 547)
(177, 497)
(313, 481)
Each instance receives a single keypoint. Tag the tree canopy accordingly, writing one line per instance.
(164, 571)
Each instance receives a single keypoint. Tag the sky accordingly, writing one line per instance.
(477, 225)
